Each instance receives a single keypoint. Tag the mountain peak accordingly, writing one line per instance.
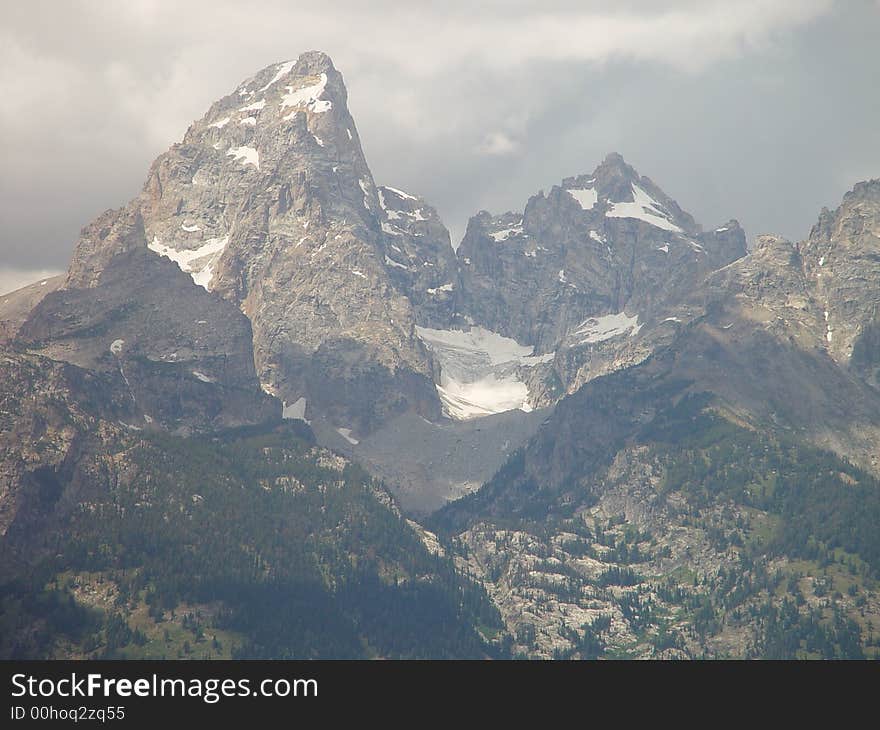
(310, 63)
(856, 219)
(615, 159)
(614, 166)
(316, 59)
(309, 83)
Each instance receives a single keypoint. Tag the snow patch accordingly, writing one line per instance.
(491, 394)
(221, 123)
(190, 229)
(248, 154)
(199, 262)
(393, 214)
(255, 107)
(366, 194)
(599, 329)
(664, 248)
(506, 233)
(586, 197)
(596, 237)
(201, 376)
(283, 70)
(116, 346)
(361, 274)
(308, 96)
(395, 264)
(445, 287)
(296, 411)
(346, 434)
(400, 193)
(644, 208)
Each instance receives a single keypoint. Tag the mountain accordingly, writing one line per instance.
(156, 498)
(119, 541)
(601, 258)
(176, 356)
(606, 243)
(666, 503)
(268, 205)
(591, 278)
(600, 255)
(252, 543)
(622, 435)
(262, 238)
(17, 305)
(842, 260)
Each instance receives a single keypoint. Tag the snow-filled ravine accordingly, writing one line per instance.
(199, 262)
(479, 371)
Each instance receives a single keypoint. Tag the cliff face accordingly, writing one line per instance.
(596, 245)
(842, 262)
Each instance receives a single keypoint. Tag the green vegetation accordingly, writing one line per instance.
(251, 545)
(741, 543)
(819, 502)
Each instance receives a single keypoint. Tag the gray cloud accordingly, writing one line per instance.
(763, 110)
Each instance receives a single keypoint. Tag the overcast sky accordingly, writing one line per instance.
(761, 110)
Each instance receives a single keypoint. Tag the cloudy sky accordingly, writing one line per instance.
(762, 110)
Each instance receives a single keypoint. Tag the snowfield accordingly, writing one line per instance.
(479, 371)
(599, 329)
(296, 411)
(586, 197)
(644, 208)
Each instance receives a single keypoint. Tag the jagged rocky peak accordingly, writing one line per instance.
(842, 263)
(589, 278)
(769, 289)
(277, 155)
(607, 244)
(419, 256)
(614, 207)
(852, 229)
(111, 233)
(268, 203)
(774, 245)
(616, 190)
